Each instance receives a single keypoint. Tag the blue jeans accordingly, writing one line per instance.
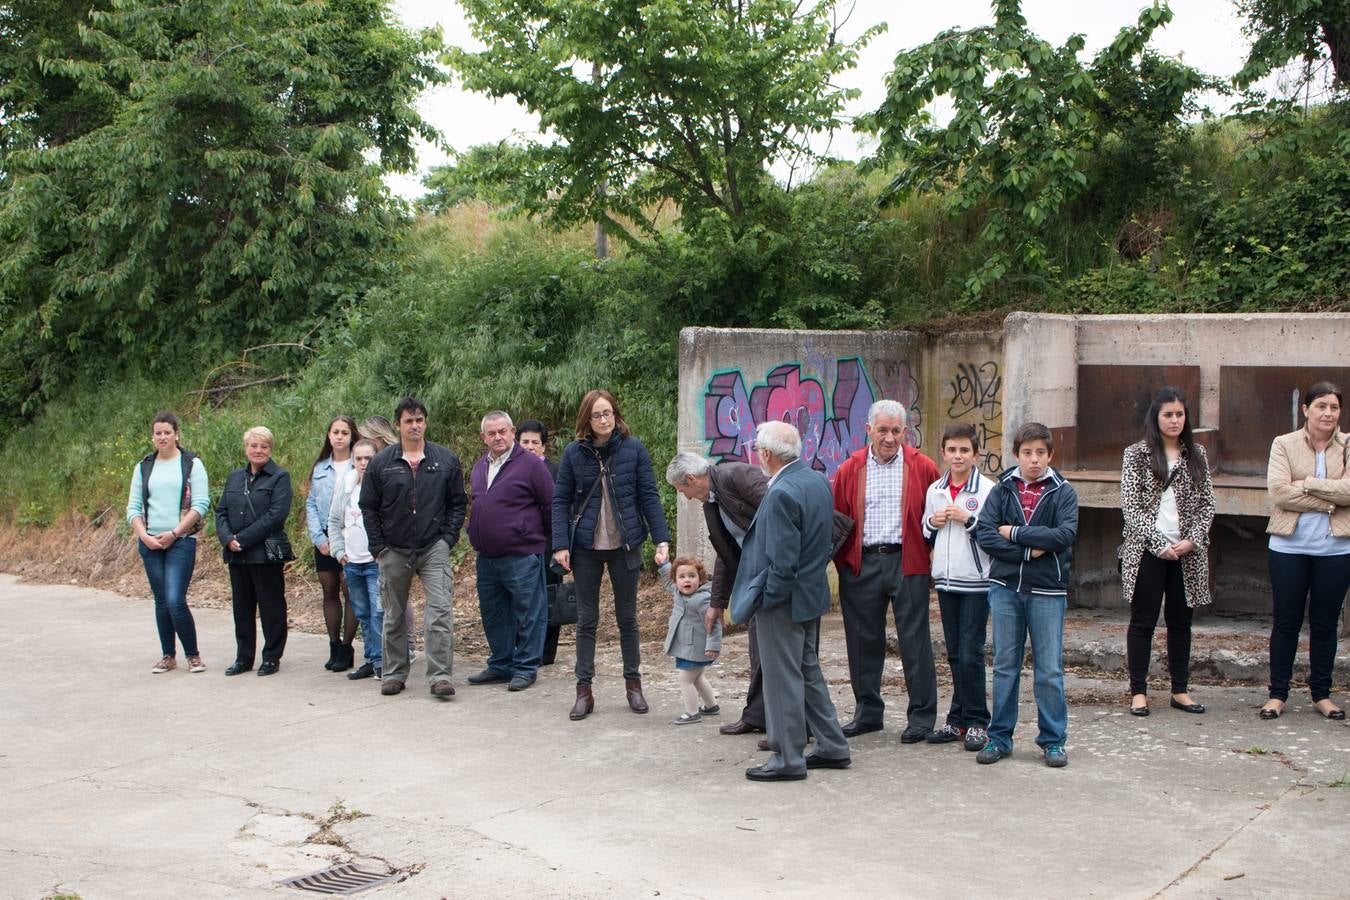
(169, 572)
(513, 600)
(363, 584)
(1013, 615)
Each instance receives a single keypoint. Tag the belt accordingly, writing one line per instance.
(882, 549)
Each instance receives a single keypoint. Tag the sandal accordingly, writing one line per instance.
(1269, 712)
(1335, 713)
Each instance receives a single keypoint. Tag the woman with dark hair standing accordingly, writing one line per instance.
(325, 478)
(168, 501)
(1309, 552)
(251, 527)
(532, 434)
(604, 507)
(1167, 501)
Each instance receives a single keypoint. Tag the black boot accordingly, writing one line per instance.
(333, 647)
(346, 654)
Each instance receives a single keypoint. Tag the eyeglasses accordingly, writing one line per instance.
(601, 416)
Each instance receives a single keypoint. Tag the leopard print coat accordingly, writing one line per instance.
(1140, 494)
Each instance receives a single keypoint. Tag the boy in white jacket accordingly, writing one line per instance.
(961, 575)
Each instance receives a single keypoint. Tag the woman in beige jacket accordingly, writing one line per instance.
(1309, 547)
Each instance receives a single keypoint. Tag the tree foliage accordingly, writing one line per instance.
(199, 174)
(656, 100)
(1027, 116)
(1313, 32)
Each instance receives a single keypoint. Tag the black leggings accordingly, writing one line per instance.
(1158, 579)
(1298, 580)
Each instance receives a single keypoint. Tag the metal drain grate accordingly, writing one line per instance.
(345, 879)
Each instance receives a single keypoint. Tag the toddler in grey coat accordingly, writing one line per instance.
(687, 638)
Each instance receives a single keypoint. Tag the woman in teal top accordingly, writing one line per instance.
(166, 506)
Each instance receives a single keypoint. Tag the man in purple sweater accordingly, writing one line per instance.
(509, 526)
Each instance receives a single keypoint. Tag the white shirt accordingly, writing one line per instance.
(355, 543)
(495, 465)
(883, 513)
(1168, 522)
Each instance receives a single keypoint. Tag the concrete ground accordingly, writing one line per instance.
(116, 783)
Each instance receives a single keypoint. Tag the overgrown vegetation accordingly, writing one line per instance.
(472, 309)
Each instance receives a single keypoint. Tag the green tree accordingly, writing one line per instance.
(1027, 117)
(1314, 32)
(183, 178)
(657, 100)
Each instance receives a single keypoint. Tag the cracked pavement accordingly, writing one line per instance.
(116, 783)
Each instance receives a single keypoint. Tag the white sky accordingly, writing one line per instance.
(1206, 34)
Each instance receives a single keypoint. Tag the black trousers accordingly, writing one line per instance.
(1317, 583)
(587, 568)
(258, 591)
(1159, 585)
(864, 599)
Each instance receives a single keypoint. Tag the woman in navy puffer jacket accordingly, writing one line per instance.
(604, 507)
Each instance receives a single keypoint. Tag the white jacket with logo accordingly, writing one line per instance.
(959, 565)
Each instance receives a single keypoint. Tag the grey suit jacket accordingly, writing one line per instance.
(787, 548)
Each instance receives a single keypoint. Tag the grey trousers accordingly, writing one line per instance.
(795, 692)
(863, 599)
(432, 567)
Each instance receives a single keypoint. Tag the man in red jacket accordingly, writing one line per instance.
(885, 562)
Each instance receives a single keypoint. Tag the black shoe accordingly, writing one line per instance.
(346, 657)
(332, 655)
(759, 773)
(519, 683)
(488, 676)
(855, 728)
(268, 667)
(1141, 710)
(238, 667)
(1188, 707)
(365, 671)
(816, 761)
(913, 734)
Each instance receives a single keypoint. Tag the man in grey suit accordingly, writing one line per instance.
(781, 581)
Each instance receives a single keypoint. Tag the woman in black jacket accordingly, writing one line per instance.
(601, 522)
(251, 525)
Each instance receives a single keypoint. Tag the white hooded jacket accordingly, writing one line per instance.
(959, 565)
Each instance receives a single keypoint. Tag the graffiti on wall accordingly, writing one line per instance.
(975, 390)
(832, 426)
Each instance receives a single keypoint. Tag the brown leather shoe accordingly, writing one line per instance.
(740, 726)
(584, 705)
(443, 689)
(636, 702)
(764, 744)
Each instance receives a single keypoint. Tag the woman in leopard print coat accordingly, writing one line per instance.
(1168, 504)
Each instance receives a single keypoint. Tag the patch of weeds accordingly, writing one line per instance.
(339, 812)
(1342, 782)
(1257, 751)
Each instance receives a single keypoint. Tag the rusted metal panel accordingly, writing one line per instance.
(1258, 403)
(1112, 404)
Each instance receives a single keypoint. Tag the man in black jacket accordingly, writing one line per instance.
(413, 504)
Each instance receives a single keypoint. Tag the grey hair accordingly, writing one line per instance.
(779, 438)
(888, 408)
(495, 414)
(686, 465)
(260, 432)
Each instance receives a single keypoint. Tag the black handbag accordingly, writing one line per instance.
(276, 549)
(562, 604)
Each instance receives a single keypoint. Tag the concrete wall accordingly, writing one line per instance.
(1042, 354)
(824, 382)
